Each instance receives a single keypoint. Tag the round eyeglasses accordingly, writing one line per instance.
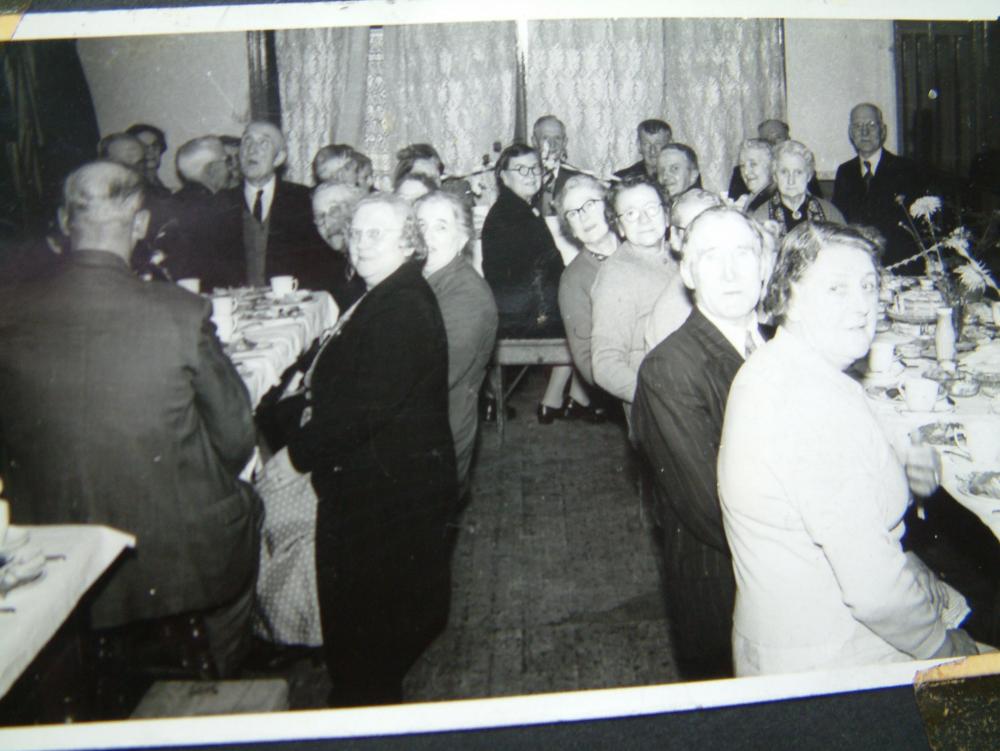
(525, 171)
(650, 210)
(587, 207)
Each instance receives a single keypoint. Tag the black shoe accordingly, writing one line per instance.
(576, 411)
(488, 411)
(548, 415)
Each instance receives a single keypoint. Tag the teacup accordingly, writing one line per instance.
(920, 394)
(190, 284)
(225, 326)
(223, 306)
(283, 286)
(881, 356)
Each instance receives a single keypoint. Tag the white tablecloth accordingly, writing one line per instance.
(41, 606)
(278, 331)
(980, 417)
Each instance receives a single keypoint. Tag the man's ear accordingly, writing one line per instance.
(280, 158)
(63, 216)
(686, 274)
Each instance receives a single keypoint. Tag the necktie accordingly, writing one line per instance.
(868, 176)
(258, 208)
(749, 345)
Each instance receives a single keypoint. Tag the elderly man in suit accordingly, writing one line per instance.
(268, 221)
(868, 188)
(548, 137)
(677, 420)
(119, 407)
(652, 135)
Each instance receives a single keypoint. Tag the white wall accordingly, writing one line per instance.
(831, 65)
(187, 85)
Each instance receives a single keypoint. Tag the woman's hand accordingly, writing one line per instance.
(923, 469)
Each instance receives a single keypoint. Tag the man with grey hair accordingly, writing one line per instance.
(548, 137)
(267, 222)
(867, 188)
(120, 408)
(677, 421)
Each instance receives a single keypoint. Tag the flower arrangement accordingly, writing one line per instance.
(972, 276)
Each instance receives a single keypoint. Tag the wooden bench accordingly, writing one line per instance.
(523, 352)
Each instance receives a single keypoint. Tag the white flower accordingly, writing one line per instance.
(925, 207)
(972, 276)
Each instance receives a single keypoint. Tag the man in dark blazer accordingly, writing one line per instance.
(120, 408)
(877, 187)
(268, 222)
(548, 137)
(653, 135)
(677, 420)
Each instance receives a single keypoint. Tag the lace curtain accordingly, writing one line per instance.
(601, 78)
(722, 78)
(712, 80)
(322, 78)
(451, 85)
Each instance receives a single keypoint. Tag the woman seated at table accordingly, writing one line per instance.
(522, 266)
(468, 310)
(793, 166)
(627, 287)
(813, 496)
(582, 209)
(376, 439)
(755, 171)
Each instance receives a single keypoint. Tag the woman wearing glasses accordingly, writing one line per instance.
(377, 441)
(628, 285)
(522, 266)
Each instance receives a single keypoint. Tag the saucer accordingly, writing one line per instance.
(885, 377)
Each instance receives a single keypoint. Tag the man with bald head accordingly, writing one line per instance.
(268, 221)
(677, 421)
(866, 187)
(120, 408)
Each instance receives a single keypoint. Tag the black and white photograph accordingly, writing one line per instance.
(587, 361)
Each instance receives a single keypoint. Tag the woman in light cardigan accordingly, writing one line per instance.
(628, 286)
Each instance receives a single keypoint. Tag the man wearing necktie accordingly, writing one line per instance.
(268, 221)
(866, 187)
(548, 137)
(677, 420)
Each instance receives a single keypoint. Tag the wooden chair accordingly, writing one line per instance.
(523, 352)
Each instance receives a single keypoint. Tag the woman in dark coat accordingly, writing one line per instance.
(377, 441)
(523, 266)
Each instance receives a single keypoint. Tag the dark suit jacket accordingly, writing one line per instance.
(380, 451)
(119, 407)
(545, 198)
(634, 170)
(470, 321)
(894, 176)
(677, 420)
(523, 267)
(294, 247)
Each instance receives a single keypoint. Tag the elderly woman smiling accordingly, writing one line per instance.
(627, 287)
(377, 441)
(468, 309)
(813, 496)
(793, 166)
(755, 169)
(582, 210)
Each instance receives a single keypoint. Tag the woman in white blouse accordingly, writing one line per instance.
(813, 496)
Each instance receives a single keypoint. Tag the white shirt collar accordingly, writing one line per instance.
(736, 334)
(874, 159)
(250, 195)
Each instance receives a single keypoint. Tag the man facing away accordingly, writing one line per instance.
(120, 408)
(677, 420)
(868, 187)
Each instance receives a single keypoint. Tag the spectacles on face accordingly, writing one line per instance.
(372, 235)
(868, 126)
(650, 210)
(587, 207)
(525, 171)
